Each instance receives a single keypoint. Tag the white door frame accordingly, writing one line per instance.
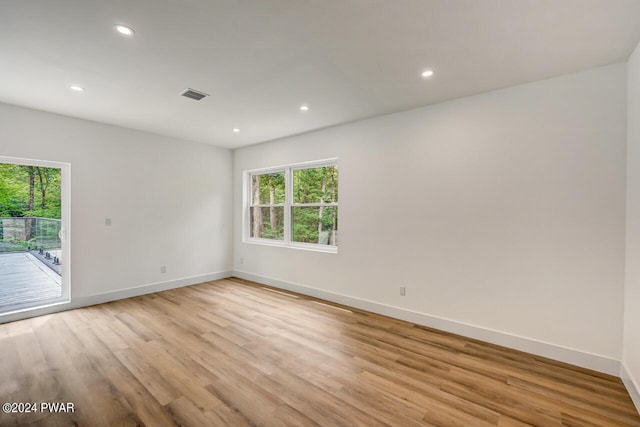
(65, 204)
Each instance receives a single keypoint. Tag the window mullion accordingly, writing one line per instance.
(248, 187)
(288, 200)
(315, 205)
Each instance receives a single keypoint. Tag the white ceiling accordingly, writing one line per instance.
(261, 59)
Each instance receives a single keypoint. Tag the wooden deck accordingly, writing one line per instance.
(25, 280)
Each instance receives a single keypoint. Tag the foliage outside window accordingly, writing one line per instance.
(267, 205)
(29, 191)
(295, 205)
(30, 207)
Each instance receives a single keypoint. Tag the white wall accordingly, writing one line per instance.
(169, 200)
(631, 353)
(503, 211)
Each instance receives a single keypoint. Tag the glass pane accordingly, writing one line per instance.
(267, 188)
(315, 225)
(30, 249)
(315, 185)
(267, 222)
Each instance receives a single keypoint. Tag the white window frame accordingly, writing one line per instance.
(288, 206)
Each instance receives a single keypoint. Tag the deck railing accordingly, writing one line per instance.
(23, 234)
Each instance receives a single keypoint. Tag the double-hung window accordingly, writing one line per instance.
(293, 205)
(267, 205)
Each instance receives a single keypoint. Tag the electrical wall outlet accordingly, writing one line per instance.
(403, 290)
(241, 260)
(163, 269)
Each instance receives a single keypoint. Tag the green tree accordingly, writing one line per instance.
(18, 186)
(315, 224)
(268, 221)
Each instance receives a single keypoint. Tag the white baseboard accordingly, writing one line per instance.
(539, 348)
(633, 387)
(115, 295)
(151, 288)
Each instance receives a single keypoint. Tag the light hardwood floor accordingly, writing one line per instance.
(235, 353)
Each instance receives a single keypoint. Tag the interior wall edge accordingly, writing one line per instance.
(105, 297)
(631, 384)
(552, 351)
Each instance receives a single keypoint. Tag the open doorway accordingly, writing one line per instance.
(34, 219)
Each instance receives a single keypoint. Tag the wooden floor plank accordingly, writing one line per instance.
(232, 352)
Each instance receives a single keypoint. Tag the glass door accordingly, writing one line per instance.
(34, 224)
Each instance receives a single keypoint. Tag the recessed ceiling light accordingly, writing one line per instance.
(304, 108)
(123, 29)
(236, 130)
(76, 88)
(427, 73)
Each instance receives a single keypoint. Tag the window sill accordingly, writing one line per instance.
(301, 246)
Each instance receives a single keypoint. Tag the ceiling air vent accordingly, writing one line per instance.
(194, 94)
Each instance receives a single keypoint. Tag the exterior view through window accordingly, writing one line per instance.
(295, 205)
(267, 210)
(32, 249)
